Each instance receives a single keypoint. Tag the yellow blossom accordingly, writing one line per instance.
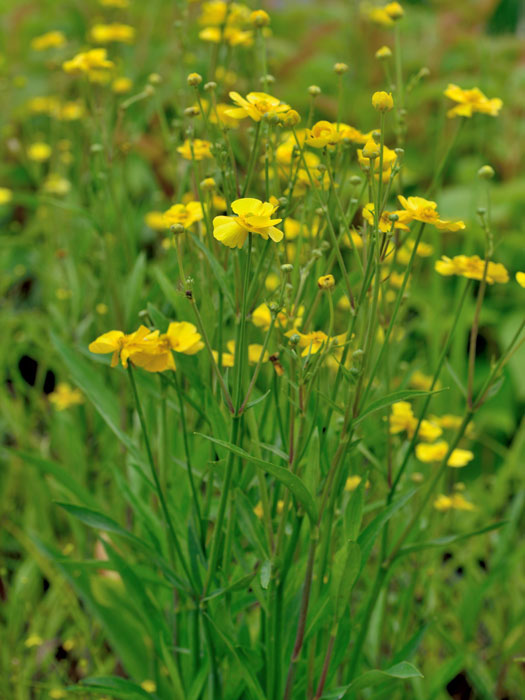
(70, 111)
(55, 184)
(65, 396)
(365, 156)
(324, 133)
(520, 276)
(255, 105)
(385, 224)
(424, 210)
(254, 354)
(231, 35)
(155, 220)
(455, 502)
(185, 214)
(315, 340)
(383, 52)
(437, 452)
(326, 282)
(253, 216)
(471, 101)
(422, 381)
(50, 40)
(262, 317)
(149, 686)
(115, 32)
(260, 18)
(93, 60)
(39, 152)
(101, 308)
(353, 482)
(471, 267)
(218, 12)
(197, 149)
(121, 85)
(34, 640)
(6, 195)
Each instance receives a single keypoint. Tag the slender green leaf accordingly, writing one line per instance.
(401, 671)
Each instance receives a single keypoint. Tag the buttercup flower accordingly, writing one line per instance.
(455, 502)
(315, 340)
(402, 419)
(437, 451)
(6, 195)
(253, 216)
(385, 224)
(121, 85)
(185, 214)
(262, 317)
(420, 209)
(471, 101)
(254, 354)
(231, 35)
(56, 184)
(155, 220)
(520, 276)
(50, 40)
(107, 33)
(326, 282)
(471, 267)
(217, 12)
(39, 152)
(324, 133)
(255, 106)
(65, 396)
(371, 152)
(93, 60)
(197, 149)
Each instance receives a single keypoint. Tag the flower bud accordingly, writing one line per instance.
(355, 180)
(287, 267)
(154, 78)
(340, 68)
(192, 111)
(259, 18)
(383, 53)
(290, 118)
(283, 201)
(486, 172)
(382, 101)
(177, 229)
(210, 87)
(294, 339)
(194, 79)
(267, 79)
(208, 184)
(326, 282)
(314, 90)
(394, 10)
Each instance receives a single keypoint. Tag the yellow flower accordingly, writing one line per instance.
(315, 340)
(121, 85)
(197, 149)
(101, 309)
(50, 40)
(254, 354)
(471, 267)
(262, 317)
(424, 250)
(383, 52)
(39, 152)
(155, 220)
(55, 184)
(325, 133)
(121, 4)
(219, 114)
(394, 10)
(70, 111)
(520, 276)
(106, 33)
(253, 216)
(65, 396)
(44, 104)
(326, 282)
(402, 418)
(353, 482)
(422, 381)
(385, 224)
(120, 344)
(382, 101)
(34, 640)
(95, 59)
(232, 35)
(420, 209)
(437, 452)
(429, 431)
(457, 502)
(185, 214)
(260, 18)
(471, 101)
(183, 337)
(6, 195)
(149, 686)
(255, 106)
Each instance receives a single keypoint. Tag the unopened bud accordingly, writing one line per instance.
(486, 172)
(177, 228)
(211, 86)
(340, 68)
(194, 79)
(314, 90)
(326, 282)
(259, 18)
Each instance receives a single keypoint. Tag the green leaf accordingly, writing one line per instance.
(217, 270)
(133, 289)
(389, 399)
(345, 569)
(160, 321)
(353, 515)
(401, 671)
(265, 575)
(448, 539)
(285, 476)
(115, 684)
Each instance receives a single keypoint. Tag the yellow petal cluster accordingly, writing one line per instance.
(454, 502)
(148, 349)
(471, 101)
(65, 396)
(49, 40)
(253, 216)
(88, 61)
(255, 106)
(196, 149)
(424, 210)
(115, 32)
(437, 451)
(472, 267)
(184, 214)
